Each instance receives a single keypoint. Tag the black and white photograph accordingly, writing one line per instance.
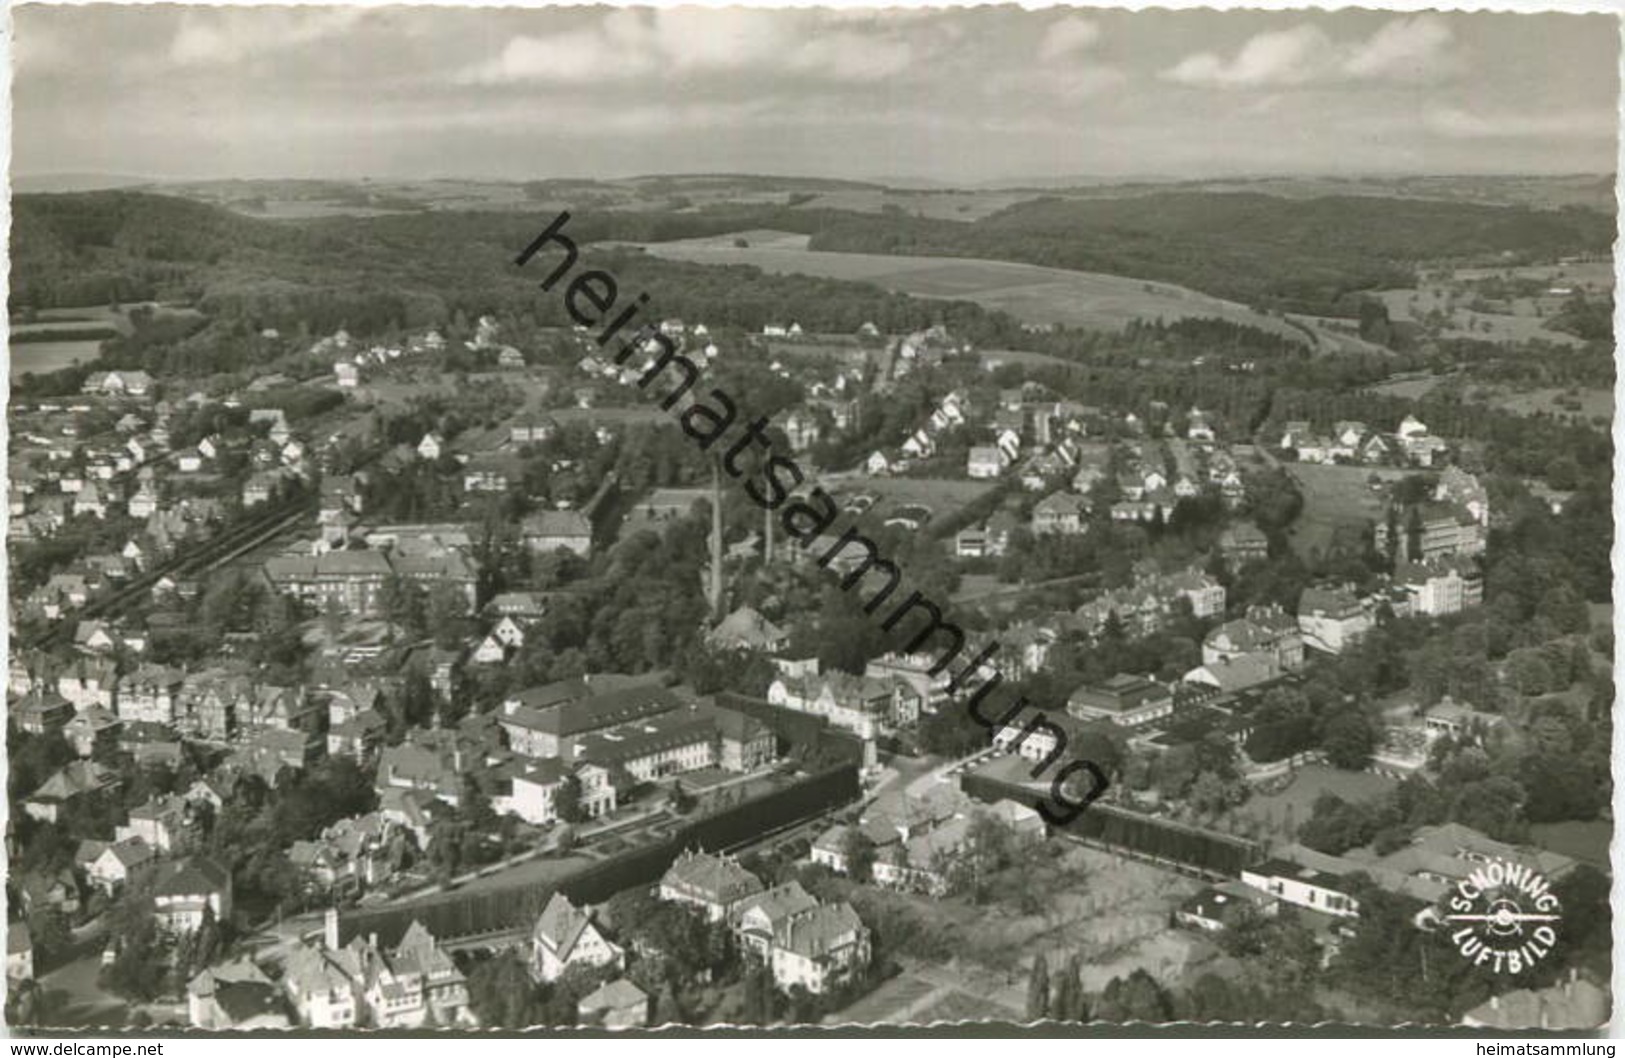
(621, 521)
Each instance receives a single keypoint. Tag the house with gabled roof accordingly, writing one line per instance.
(566, 936)
(321, 989)
(714, 884)
(128, 861)
(76, 779)
(235, 995)
(1332, 618)
(819, 948)
(747, 629)
(189, 890)
(1061, 514)
(617, 1004)
(758, 918)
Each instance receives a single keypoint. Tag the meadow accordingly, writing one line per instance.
(41, 358)
(1032, 294)
(1335, 498)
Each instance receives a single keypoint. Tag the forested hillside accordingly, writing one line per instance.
(1307, 256)
(373, 274)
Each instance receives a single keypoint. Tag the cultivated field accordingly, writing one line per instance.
(1029, 293)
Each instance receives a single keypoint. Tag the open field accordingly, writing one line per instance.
(1594, 403)
(1589, 276)
(937, 205)
(1335, 498)
(1524, 323)
(42, 357)
(1029, 293)
(1410, 387)
(1297, 801)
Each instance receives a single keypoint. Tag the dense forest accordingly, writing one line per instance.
(376, 274)
(1309, 256)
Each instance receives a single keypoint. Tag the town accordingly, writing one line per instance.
(426, 676)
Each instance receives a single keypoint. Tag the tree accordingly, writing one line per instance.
(502, 995)
(1069, 1003)
(1137, 997)
(1349, 741)
(1038, 990)
(567, 802)
(859, 853)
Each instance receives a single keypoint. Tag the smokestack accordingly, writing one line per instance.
(714, 591)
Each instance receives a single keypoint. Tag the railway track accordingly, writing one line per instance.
(208, 555)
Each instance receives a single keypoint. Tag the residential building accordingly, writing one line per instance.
(127, 861)
(548, 531)
(759, 918)
(566, 936)
(235, 995)
(80, 778)
(1440, 587)
(1428, 531)
(715, 885)
(1060, 514)
(187, 890)
(747, 629)
(617, 1004)
(19, 953)
(162, 823)
(820, 948)
(320, 987)
(1243, 542)
(1333, 618)
(148, 694)
(42, 713)
(864, 705)
(985, 461)
(1265, 629)
(1570, 1004)
(744, 744)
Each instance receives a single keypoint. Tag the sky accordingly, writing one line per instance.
(955, 95)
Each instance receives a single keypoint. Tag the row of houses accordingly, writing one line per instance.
(802, 942)
(364, 984)
(1356, 442)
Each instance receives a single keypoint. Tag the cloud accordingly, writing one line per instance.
(1462, 124)
(1405, 48)
(224, 36)
(1067, 37)
(1402, 49)
(627, 44)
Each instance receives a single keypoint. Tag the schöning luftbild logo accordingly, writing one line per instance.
(1504, 915)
